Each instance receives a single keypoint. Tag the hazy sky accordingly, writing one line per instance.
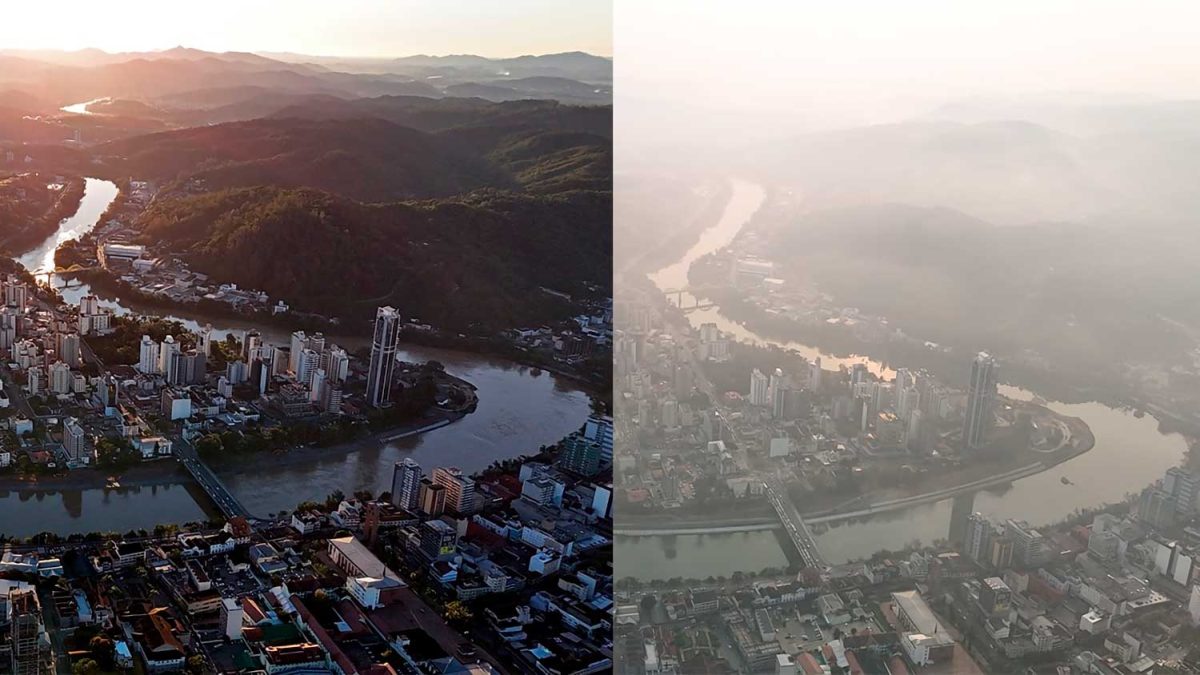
(829, 64)
(318, 27)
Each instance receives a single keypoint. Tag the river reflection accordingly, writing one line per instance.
(97, 195)
(28, 512)
(518, 411)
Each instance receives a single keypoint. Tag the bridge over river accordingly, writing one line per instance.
(787, 517)
(204, 476)
(793, 523)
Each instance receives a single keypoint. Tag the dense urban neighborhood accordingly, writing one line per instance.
(509, 571)
(721, 438)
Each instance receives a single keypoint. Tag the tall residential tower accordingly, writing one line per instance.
(406, 484)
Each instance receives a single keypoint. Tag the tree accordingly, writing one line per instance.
(336, 497)
(196, 664)
(101, 648)
(86, 667)
(209, 445)
(457, 612)
(231, 441)
(648, 602)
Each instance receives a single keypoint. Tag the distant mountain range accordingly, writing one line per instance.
(1085, 297)
(570, 65)
(168, 77)
(340, 190)
(1132, 166)
(1055, 229)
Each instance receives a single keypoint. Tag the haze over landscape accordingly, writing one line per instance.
(923, 134)
(531, 336)
(908, 325)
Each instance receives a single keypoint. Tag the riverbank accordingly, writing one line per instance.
(1049, 383)
(38, 228)
(592, 382)
(308, 455)
(157, 472)
(676, 245)
(980, 472)
(1082, 441)
(594, 376)
(168, 471)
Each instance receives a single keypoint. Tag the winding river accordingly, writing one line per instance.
(1130, 453)
(519, 410)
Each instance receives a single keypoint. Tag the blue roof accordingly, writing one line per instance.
(541, 652)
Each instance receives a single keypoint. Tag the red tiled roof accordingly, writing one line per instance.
(808, 663)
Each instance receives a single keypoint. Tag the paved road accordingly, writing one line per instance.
(17, 398)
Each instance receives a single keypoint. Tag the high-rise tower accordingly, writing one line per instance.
(981, 397)
(406, 484)
(383, 356)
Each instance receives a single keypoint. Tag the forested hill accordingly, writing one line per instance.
(461, 216)
(369, 160)
(383, 149)
(476, 262)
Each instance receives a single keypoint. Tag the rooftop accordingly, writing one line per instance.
(918, 612)
(363, 559)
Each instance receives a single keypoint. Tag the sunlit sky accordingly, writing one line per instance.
(829, 64)
(383, 28)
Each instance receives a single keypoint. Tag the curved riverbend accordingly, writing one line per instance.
(519, 409)
(1129, 453)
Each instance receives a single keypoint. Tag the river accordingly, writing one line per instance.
(745, 200)
(97, 195)
(82, 108)
(1130, 453)
(519, 410)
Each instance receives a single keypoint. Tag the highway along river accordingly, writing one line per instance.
(1129, 454)
(519, 410)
